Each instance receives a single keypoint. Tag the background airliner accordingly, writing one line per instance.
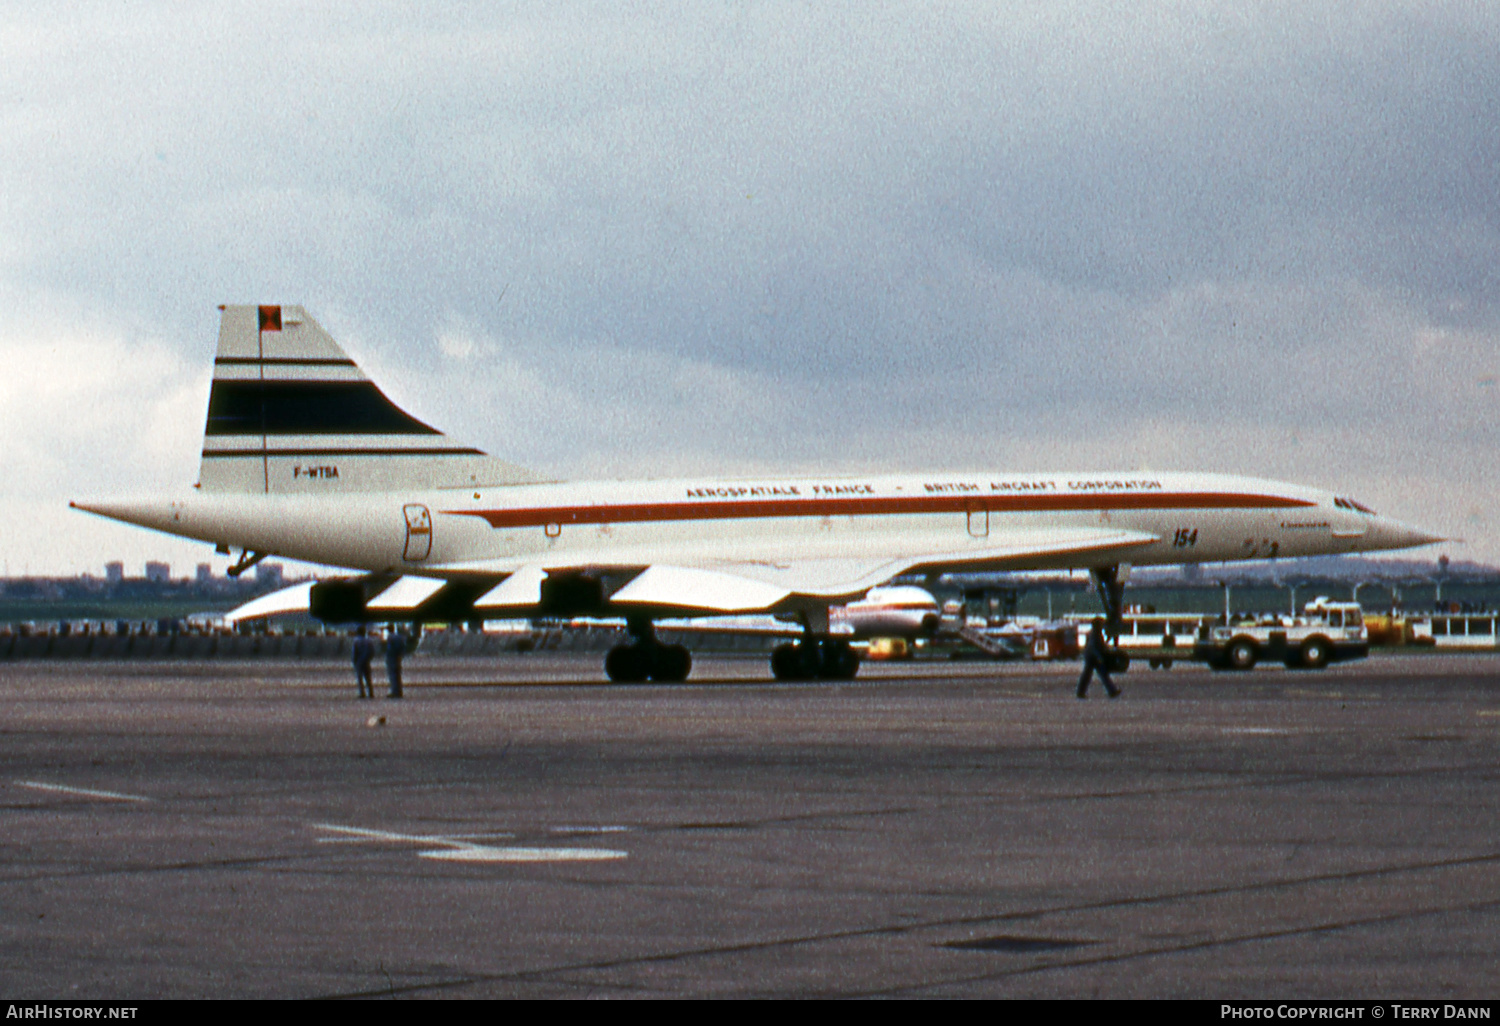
(305, 458)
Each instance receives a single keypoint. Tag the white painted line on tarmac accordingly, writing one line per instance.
(86, 792)
(481, 853)
(1260, 731)
(456, 849)
(381, 835)
(366, 834)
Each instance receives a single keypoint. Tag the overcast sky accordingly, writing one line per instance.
(640, 240)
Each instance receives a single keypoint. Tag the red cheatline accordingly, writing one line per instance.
(270, 318)
(874, 506)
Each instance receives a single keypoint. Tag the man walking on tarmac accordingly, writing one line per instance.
(1096, 660)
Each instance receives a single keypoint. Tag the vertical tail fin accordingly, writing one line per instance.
(290, 412)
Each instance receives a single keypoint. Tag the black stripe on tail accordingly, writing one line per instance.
(307, 408)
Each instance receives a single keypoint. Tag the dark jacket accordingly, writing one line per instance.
(1095, 648)
(364, 651)
(395, 647)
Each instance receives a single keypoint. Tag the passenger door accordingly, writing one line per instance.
(418, 532)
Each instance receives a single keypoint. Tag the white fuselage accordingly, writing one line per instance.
(893, 612)
(1191, 518)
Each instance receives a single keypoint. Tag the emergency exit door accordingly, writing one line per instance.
(979, 522)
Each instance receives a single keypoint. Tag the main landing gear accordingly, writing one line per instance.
(814, 659)
(645, 658)
(1112, 595)
(818, 656)
(1111, 586)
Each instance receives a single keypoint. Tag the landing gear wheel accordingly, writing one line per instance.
(627, 664)
(794, 662)
(670, 664)
(784, 662)
(814, 659)
(632, 664)
(839, 661)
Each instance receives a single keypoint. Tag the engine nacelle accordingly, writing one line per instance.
(341, 600)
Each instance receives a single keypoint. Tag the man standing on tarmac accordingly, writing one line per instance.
(1096, 660)
(363, 656)
(395, 648)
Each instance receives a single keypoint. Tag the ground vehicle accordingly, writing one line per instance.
(1325, 632)
(1161, 638)
(1462, 632)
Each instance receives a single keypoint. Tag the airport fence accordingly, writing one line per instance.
(321, 646)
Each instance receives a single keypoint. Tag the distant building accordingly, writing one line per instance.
(268, 574)
(205, 573)
(114, 573)
(158, 573)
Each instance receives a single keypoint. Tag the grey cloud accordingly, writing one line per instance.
(796, 228)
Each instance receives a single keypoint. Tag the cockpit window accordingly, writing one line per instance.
(1350, 504)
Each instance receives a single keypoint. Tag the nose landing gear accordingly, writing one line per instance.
(1111, 586)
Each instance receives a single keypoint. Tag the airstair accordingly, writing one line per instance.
(991, 646)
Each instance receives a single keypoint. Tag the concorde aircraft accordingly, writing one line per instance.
(305, 458)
